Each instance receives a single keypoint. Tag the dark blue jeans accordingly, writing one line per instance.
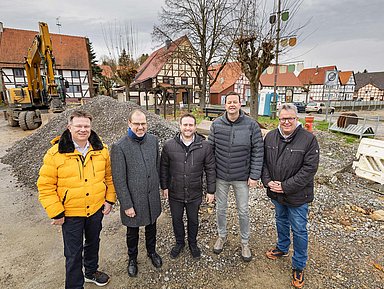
(74, 230)
(177, 212)
(295, 218)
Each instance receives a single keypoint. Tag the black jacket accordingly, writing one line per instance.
(238, 148)
(181, 171)
(292, 161)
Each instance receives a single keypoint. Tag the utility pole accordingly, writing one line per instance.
(274, 98)
(58, 24)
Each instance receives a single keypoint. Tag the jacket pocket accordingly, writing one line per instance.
(65, 197)
(296, 157)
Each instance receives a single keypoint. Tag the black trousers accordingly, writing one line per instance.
(74, 230)
(133, 240)
(177, 213)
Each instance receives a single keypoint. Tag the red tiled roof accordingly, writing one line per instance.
(70, 52)
(314, 75)
(344, 76)
(152, 66)
(283, 79)
(232, 72)
(227, 77)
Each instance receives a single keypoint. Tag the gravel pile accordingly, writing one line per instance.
(110, 123)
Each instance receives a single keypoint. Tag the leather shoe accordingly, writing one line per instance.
(195, 251)
(157, 262)
(176, 250)
(132, 268)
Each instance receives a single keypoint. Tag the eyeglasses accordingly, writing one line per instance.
(289, 119)
(139, 124)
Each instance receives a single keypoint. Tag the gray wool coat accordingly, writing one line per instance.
(135, 167)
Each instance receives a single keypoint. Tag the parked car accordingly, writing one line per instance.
(300, 106)
(318, 107)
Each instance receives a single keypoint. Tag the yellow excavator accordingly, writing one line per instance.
(45, 92)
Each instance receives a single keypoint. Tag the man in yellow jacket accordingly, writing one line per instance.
(76, 190)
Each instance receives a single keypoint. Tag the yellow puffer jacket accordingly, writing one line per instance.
(72, 184)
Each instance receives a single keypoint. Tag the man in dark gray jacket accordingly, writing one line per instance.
(238, 147)
(135, 164)
(290, 164)
(183, 161)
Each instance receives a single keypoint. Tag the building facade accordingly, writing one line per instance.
(168, 72)
(71, 61)
(369, 86)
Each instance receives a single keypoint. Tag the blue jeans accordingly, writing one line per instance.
(241, 190)
(295, 218)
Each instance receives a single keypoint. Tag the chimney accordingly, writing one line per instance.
(1, 27)
(168, 43)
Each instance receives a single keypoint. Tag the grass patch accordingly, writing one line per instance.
(267, 122)
(348, 138)
(321, 125)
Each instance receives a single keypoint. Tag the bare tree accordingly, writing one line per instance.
(210, 27)
(257, 41)
(121, 42)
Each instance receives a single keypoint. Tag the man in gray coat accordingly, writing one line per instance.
(238, 147)
(135, 164)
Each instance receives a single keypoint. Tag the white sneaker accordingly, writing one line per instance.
(218, 248)
(246, 252)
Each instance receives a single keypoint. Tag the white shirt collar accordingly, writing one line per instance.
(81, 150)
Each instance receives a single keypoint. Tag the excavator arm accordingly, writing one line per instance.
(42, 94)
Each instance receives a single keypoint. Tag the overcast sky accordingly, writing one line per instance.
(345, 33)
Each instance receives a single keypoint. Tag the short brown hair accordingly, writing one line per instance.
(232, 93)
(79, 113)
(188, 115)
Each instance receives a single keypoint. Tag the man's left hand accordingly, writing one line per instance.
(107, 208)
(252, 183)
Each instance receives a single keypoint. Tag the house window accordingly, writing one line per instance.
(18, 72)
(184, 81)
(75, 73)
(74, 89)
(169, 80)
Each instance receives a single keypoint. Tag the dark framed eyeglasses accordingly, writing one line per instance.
(285, 119)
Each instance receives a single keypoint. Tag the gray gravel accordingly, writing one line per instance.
(344, 247)
(110, 123)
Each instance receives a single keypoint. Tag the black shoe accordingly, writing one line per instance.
(132, 268)
(195, 251)
(176, 250)
(156, 260)
(98, 278)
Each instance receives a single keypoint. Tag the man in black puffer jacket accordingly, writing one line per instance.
(183, 160)
(238, 146)
(290, 164)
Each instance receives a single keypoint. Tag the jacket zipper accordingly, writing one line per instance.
(65, 197)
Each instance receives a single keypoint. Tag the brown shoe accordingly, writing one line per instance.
(275, 253)
(297, 278)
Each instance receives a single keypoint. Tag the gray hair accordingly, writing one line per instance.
(288, 106)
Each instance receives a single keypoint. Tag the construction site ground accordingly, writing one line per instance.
(345, 248)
